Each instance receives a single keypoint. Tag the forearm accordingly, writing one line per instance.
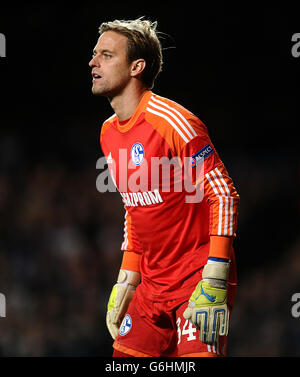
(220, 247)
(131, 261)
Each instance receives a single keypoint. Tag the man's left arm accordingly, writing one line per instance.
(207, 307)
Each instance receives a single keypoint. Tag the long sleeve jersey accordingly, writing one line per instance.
(155, 160)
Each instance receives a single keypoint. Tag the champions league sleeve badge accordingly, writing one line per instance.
(137, 154)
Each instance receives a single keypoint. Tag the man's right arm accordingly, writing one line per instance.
(128, 279)
(122, 292)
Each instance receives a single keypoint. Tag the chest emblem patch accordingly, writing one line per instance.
(137, 154)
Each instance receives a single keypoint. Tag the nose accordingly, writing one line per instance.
(94, 62)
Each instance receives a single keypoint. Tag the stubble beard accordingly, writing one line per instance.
(98, 91)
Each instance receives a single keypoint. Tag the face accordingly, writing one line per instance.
(110, 68)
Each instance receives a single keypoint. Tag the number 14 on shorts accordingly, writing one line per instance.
(187, 332)
(187, 329)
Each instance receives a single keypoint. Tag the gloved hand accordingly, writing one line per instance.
(207, 307)
(119, 299)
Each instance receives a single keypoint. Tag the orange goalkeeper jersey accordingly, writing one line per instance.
(150, 159)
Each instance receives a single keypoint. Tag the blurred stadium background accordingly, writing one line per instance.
(60, 238)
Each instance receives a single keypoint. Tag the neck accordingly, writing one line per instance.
(125, 103)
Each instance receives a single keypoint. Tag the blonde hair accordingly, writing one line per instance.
(143, 43)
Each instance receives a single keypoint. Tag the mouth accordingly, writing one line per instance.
(96, 76)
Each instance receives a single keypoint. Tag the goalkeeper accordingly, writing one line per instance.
(176, 286)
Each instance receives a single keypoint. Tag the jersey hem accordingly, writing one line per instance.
(200, 354)
(119, 347)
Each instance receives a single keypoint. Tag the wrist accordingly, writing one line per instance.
(216, 272)
(127, 277)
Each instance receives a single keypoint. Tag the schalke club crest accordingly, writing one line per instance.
(137, 154)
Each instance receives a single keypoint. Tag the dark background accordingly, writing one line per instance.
(60, 238)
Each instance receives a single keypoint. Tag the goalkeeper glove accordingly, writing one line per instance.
(119, 299)
(207, 307)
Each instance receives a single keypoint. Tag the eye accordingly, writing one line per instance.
(107, 56)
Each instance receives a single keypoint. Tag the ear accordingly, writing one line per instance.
(137, 67)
